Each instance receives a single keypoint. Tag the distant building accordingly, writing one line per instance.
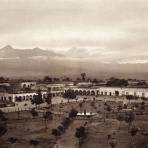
(27, 84)
(18, 97)
(84, 84)
(110, 91)
(54, 89)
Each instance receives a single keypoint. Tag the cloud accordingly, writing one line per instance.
(134, 62)
(107, 31)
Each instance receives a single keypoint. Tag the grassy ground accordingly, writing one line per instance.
(26, 128)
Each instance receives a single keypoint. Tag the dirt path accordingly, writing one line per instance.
(70, 135)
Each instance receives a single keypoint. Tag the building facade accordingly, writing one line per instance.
(17, 97)
(111, 91)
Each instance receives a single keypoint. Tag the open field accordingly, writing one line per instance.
(27, 128)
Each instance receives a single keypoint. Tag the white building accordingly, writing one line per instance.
(110, 91)
(27, 84)
(14, 97)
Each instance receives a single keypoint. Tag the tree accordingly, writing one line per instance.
(109, 109)
(34, 113)
(47, 79)
(125, 106)
(120, 118)
(113, 143)
(47, 115)
(66, 79)
(66, 122)
(38, 98)
(133, 132)
(83, 76)
(56, 79)
(3, 123)
(129, 97)
(80, 133)
(112, 140)
(70, 94)
(48, 99)
(95, 80)
(78, 79)
(2, 79)
(129, 118)
(92, 103)
(119, 108)
(56, 133)
(73, 113)
(142, 107)
(117, 82)
(61, 128)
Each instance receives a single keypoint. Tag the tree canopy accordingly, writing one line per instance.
(70, 94)
(117, 82)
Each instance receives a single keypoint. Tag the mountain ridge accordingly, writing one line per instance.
(38, 62)
(10, 52)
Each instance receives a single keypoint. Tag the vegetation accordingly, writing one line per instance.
(48, 99)
(38, 98)
(117, 82)
(83, 76)
(73, 113)
(80, 134)
(70, 94)
(34, 113)
(3, 123)
(47, 115)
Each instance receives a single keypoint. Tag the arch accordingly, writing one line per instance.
(53, 94)
(27, 97)
(4, 98)
(24, 85)
(76, 92)
(80, 92)
(84, 92)
(102, 93)
(10, 98)
(24, 98)
(93, 93)
(116, 93)
(44, 96)
(105, 93)
(88, 93)
(98, 92)
(20, 98)
(34, 96)
(30, 97)
(143, 94)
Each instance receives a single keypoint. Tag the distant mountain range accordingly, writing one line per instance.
(38, 62)
(8, 52)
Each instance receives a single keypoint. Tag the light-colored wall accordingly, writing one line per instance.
(139, 92)
(24, 96)
(27, 84)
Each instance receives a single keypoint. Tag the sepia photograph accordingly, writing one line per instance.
(73, 73)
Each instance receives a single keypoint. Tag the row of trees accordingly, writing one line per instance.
(38, 99)
(3, 123)
(80, 133)
(69, 94)
(78, 79)
(64, 124)
(117, 82)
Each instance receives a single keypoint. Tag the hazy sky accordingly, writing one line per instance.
(109, 30)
